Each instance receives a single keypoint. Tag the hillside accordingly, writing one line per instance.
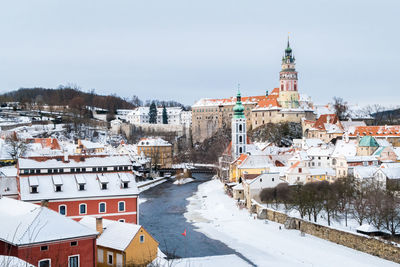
(65, 96)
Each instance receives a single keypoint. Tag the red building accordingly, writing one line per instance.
(43, 237)
(77, 186)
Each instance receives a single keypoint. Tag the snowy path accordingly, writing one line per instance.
(216, 215)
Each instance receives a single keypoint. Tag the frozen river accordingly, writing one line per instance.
(161, 214)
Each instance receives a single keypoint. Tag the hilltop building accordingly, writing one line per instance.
(283, 104)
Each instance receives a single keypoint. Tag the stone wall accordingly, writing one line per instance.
(355, 241)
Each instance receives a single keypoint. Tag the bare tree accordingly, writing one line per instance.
(16, 147)
(341, 108)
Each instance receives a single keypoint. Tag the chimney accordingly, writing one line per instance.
(66, 157)
(44, 203)
(99, 225)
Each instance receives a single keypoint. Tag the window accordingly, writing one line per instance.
(102, 207)
(273, 179)
(74, 243)
(103, 186)
(58, 188)
(121, 206)
(300, 170)
(44, 248)
(121, 220)
(109, 258)
(73, 261)
(100, 256)
(34, 189)
(62, 209)
(44, 263)
(82, 209)
(125, 184)
(81, 187)
(141, 238)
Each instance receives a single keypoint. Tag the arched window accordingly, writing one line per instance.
(240, 128)
(82, 208)
(282, 87)
(102, 207)
(295, 87)
(240, 139)
(240, 150)
(121, 206)
(62, 209)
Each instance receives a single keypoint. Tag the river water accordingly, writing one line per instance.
(162, 215)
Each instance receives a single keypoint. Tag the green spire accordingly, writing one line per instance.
(288, 53)
(238, 109)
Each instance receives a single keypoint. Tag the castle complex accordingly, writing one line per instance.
(283, 104)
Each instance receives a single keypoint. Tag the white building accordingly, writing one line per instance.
(141, 116)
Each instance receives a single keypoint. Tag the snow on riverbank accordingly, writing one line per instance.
(183, 181)
(216, 215)
(145, 185)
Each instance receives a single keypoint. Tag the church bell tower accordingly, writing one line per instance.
(239, 135)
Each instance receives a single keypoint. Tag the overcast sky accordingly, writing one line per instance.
(186, 50)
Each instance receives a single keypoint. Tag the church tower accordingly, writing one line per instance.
(239, 135)
(288, 93)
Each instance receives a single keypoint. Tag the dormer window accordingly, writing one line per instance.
(125, 185)
(81, 181)
(34, 189)
(57, 181)
(103, 182)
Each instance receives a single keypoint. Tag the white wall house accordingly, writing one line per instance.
(141, 116)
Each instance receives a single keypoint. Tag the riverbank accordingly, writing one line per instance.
(145, 185)
(266, 244)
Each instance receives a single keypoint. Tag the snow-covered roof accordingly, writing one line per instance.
(13, 262)
(347, 149)
(8, 186)
(320, 151)
(349, 125)
(300, 156)
(25, 223)
(391, 173)
(361, 158)
(313, 142)
(91, 145)
(70, 187)
(109, 161)
(153, 142)
(116, 235)
(255, 162)
(9, 171)
(238, 187)
(365, 172)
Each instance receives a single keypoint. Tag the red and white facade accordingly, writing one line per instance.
(77, 186)
(43, 237)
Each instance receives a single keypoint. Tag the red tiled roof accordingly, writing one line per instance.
(392, 130)
(51, 143)
(320, 123)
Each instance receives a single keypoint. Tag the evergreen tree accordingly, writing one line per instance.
(153, 113)
(164, 115)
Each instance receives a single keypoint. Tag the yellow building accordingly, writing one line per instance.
(121, 244)
(249, 165)
(158, 150)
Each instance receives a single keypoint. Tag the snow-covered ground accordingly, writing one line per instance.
(210, 261)
(143, 186)
(216, 215)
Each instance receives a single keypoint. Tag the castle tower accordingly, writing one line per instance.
(288, 93)
(239, 135)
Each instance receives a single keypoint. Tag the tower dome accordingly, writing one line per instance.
(238, 109)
